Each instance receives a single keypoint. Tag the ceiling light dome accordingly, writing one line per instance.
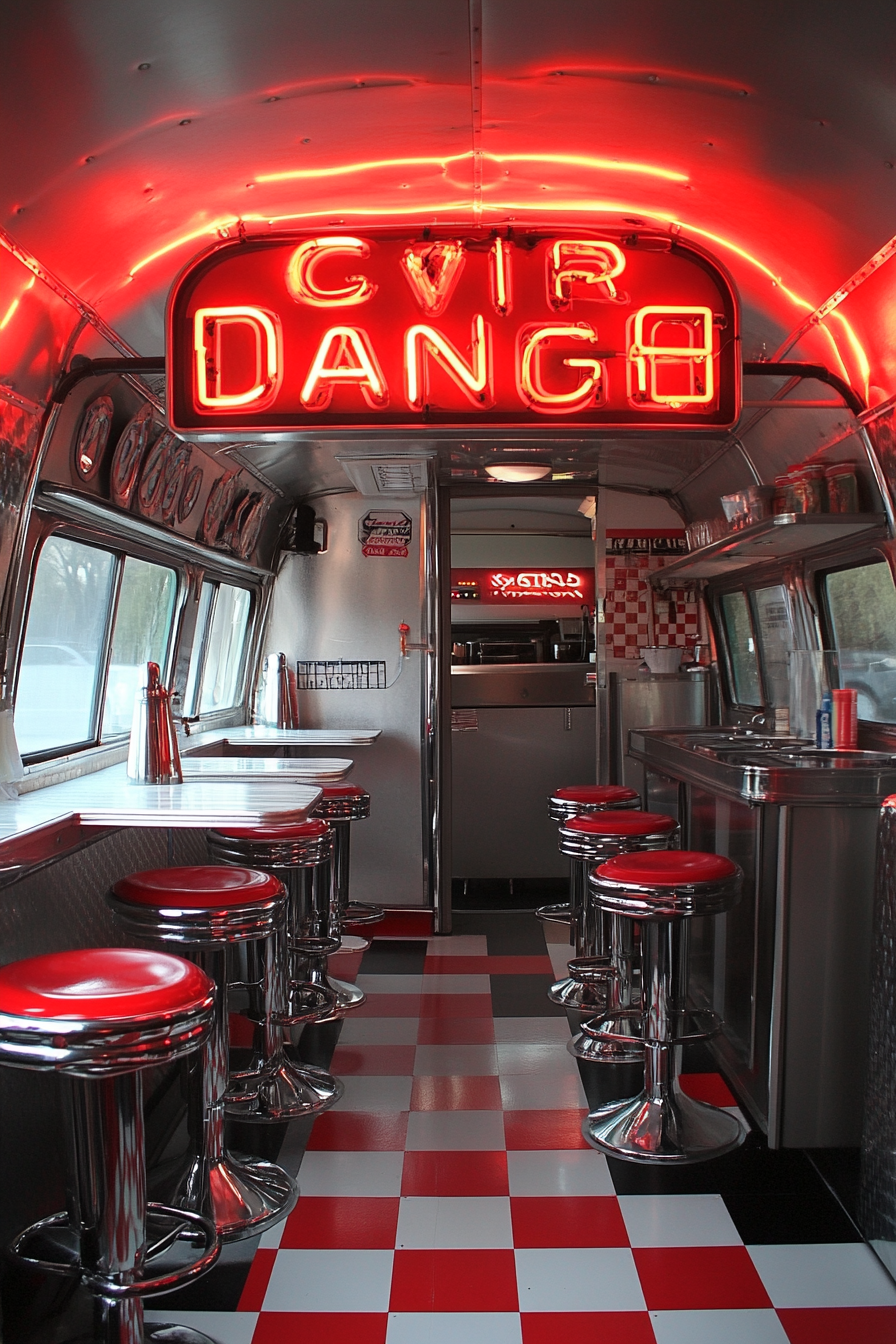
(517, 472)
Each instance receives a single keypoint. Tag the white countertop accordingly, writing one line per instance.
(296, 737)
(107, 798)
(267, 769)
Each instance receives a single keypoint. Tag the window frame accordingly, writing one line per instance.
(818, 575)
(193, 710)
(723, 645)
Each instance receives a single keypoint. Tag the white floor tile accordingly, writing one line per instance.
(458, 945)
(531, 1030)
(379, 1031)
(556, 933)
(717, 1327)
(330, 1281)
(678, 1220)
(560, 954)
(390, 984)
(270, 1240)
(455, 1131)
(834, 1275)
(442, 1061)
(456, 984)
(568, 1172)
(551, 1092)
(454, 1224)
(537, 1059)
(225, 1327)
(601, 1279)
(357, 1174)
(363, 1093)
(456, 1327)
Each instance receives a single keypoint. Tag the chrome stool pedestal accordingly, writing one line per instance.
(300, 855)
(590, 838)
(662, 892)
(340, 805)
(571, 800)
(97, 1018)
(205, 911)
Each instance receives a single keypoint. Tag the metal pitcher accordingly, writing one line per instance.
(278, 701)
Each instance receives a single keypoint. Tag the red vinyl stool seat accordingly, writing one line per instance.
(569, 801)
(342, 804)
(300, 855)
(663, 890)
(206, 911)
(97, 1018)
(589, 838)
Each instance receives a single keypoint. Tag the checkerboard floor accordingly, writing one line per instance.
(450, 1197)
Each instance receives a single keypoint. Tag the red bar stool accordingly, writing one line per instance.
(604, 942)
(340, 805)
(206, 911)
(570, 801)
(300, 855)
(97, 1018)
(663, 892)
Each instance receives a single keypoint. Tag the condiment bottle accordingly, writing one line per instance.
(809, 490)
(784, 498)
(843, 488)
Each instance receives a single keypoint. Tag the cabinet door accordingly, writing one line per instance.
(503, 772)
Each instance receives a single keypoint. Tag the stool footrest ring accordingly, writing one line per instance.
(191, 1225)
(555, 914)
(600, 1028)
(360, 912)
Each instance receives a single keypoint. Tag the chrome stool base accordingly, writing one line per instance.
(248, 1195)
(623, 1046)
(555, 914)
(157, 1333)
(286, 1090)
(672, 1129)
(586, 988)
(348, 996)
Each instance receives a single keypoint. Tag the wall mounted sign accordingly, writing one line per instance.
(385, 532)
(562, 586)
(534, 329)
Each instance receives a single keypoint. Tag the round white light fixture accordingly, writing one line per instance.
(515, 472)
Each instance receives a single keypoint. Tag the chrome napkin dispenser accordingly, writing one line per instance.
(153, 753)
(278, 701)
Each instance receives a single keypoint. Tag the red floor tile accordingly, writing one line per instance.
(346, 965)
(403, 924)
(587, 1327)
(341, 1224)
(393, 1005)
(464, 1175)
(709, 1087)
(699, 1278)
(839, 1325)
(487, 966)
(455, 1005)
(257, 1280)
(582, 1220)
(456, 1031)
(242, 1031)
(387, 1061)
(456, 1093)
(357, 1132)
(319, 1327)
(544, 1129)
(453, 1281)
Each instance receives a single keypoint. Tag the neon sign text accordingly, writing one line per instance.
(497, 587)
(517, 330)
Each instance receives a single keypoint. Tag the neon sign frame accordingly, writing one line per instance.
(381, 331)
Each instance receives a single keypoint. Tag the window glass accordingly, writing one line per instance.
(221, 676)
(205, 600)
(63, 648)
(141, 633)
(861, 605)
(741, 649)
(775, 634)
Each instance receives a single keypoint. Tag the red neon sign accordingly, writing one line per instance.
(529, 329)
(562, 586)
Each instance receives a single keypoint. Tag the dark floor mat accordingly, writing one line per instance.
(523, 996)
(394, 956)
(518, 893)
(511, 933)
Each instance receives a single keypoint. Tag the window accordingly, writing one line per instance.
(62, 654)
(94, 620)
(861, 610)
(216, 665)
(742, 656)
(141, 632)
(775, 633)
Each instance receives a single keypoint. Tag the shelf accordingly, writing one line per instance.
(784, 534)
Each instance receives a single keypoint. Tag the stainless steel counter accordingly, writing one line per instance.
(267, 769)
(788, 968)
(522, 684)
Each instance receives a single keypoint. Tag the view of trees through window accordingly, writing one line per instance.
(861, 604)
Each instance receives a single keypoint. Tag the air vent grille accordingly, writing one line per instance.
(392, 476)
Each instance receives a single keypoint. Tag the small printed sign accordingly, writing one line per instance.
(386, 533)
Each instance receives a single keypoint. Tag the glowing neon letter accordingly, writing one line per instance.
(474, 378)
(499, 277)
(587, 262)
(432, 270)
(208, 324)
(302, 285)
(530, 385)
(647, 358)
(353, 361)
